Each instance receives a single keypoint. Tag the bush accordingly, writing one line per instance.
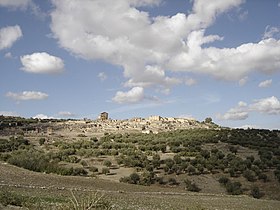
(191, 186)
(79, 172)
(263, 177)
(191, 170)
(223, 180)
(234, 188)
(105, 171)
(93, 169)
(93, 201)
(9, 198)
(107, 163)
(255, 192)
(134, 178)
(84, 163)
(172, 181)
(42, 141)
(249, 175)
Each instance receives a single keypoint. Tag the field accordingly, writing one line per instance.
(51, 189)
(199, 168)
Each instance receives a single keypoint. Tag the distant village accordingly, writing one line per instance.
(103, 124)
(152, 124)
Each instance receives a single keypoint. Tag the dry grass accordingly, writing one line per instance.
(121, 196)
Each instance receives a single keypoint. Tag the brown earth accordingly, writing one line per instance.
(123, 196)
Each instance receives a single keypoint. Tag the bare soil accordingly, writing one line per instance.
(123, 196)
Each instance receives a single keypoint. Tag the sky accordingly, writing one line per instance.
(137, 58)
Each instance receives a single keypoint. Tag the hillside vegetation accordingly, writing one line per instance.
(216, 161)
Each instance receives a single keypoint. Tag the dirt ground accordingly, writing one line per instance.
(123, 196)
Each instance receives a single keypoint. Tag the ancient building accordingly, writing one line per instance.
(103, 116)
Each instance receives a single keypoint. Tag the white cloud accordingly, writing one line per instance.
(243, 15)
(42, 63)
(42, 116)
(139, 3)
(102, 76)
(270, 32)
(228, 63)
(265, 84)
(8, 55)
(243, 81)
(22, 4)
(8, 113)
(66, 114)
(249, 127)
(134, 95)
(9, 35)
(84, 31)
(190, 81)
(269, 105)
(237, 113)
(27, 95)
(147, 47)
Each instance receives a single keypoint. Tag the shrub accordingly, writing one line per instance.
(134, 178)
(42, 141)
(93, 201)
(191, 186)
(93, 169)
(234, 188)
(255, 192)
(263, 177)
(107, 163)
(191, 170)
(105, 171)
(79, 172)
(249, 175)
(9, 198)
(172, 181)
(223, 180)
(84, 163)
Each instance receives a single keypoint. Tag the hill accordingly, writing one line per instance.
(204, 162)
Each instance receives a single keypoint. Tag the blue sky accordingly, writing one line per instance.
(179, 58)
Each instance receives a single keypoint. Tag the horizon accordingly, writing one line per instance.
(176, 58)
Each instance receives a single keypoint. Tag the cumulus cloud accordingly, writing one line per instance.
(134, 95)
(102, 76)
(270, 32)
(237, 113)
(270, 105)
(66, 114)
(148, 47)
(42, 63)
(265, 84)
(42, 116)
(9, 35)
(27, 95)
